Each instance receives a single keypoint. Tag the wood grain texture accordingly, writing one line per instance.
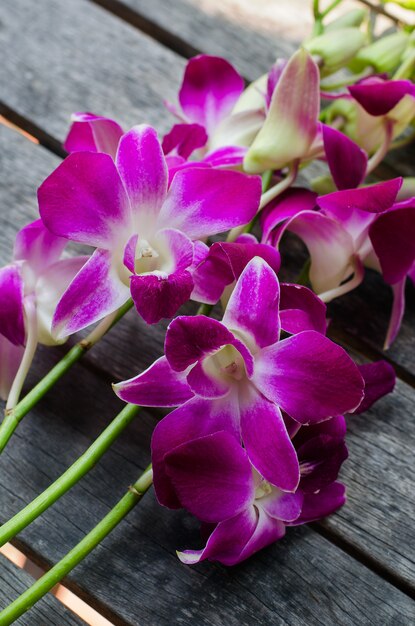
(14, 581)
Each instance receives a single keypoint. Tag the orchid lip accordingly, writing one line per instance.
(263, 489)
(227, 363)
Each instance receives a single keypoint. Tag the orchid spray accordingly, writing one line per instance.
(260, 396)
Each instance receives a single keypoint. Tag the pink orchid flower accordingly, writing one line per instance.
(237, 375)
(213, 479)
(146, 235)
(30, 289)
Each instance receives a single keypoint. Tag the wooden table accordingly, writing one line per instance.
(121, 59)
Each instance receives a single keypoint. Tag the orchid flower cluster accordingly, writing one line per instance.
(256, 437)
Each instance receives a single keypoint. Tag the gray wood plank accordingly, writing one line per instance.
(14, 581)
(135, 574)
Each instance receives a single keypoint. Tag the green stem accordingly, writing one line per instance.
(304, 276)
(24, 602)
(204, 309)
(69, 478)
(13, 417)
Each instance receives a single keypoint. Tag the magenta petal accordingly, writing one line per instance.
(398, 309)
(301, 309)
(190, 339)
(38, 246)
(210, 89)
(393, 239)
(373, 199)
(183, 139)
(282, 505)
(196, 418)
(10, 358)
(285, 206)
(378, 97)
(252, 309)
(346, 160)
(267, 442)
(320, 460)
(84, 200)
(159, 295)
(224, 264)
(93, 133)
(12, 325)
(158, 385)
(226, 156)
(204, 201)
(204, 385)
(212, 476)
(143, 170)
(309, 377)
(227, 541)
(319, 505)
(95, 292)
(379, 380)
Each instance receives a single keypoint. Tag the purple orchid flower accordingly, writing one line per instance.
(214, 479)
(30, 289)
(337, 235)
(224, 120)
(236, 375)
(93, 133)
(146, 235)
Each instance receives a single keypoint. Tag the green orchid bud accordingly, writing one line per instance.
(323, 185)
(384, 55)
(291, 122)
(336, 48)
(349, 19)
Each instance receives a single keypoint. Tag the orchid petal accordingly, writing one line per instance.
(346, 160)
(285, 206)
(84, 200)
(252, 309)
(50, 288)
(204, 201)
(379, 380)
(93, 133)
(159, 385)
(398, 309)
(143, 170)
(12, 324)
(320, 460)
(266, 440)
(373, 198)
(309, 377)
(205, 385)
(380, 97)
(38, 246)
(196, 418)
(282, 505)
(160, 295)
(190, 339)
(393, 239)
(210, 88)
(212, 476)
(228, 156)
(225, 263)
(301, 309)
(183, 139)
(95, 292)
(319, 505)
(11, 356)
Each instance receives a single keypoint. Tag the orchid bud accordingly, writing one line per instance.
(323, 185)
(291, 123)
(349, 19)
(336, 48)
(384, 55)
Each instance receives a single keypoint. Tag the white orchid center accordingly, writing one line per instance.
(227, 363)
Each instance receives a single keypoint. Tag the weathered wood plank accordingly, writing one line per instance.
(135, 574)
(14, 581)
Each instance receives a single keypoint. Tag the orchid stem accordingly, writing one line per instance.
(204, 309)
(29, 353)
(284, 184)
(382, 151)
(14, 416)
(70, 477)
(24, 602)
